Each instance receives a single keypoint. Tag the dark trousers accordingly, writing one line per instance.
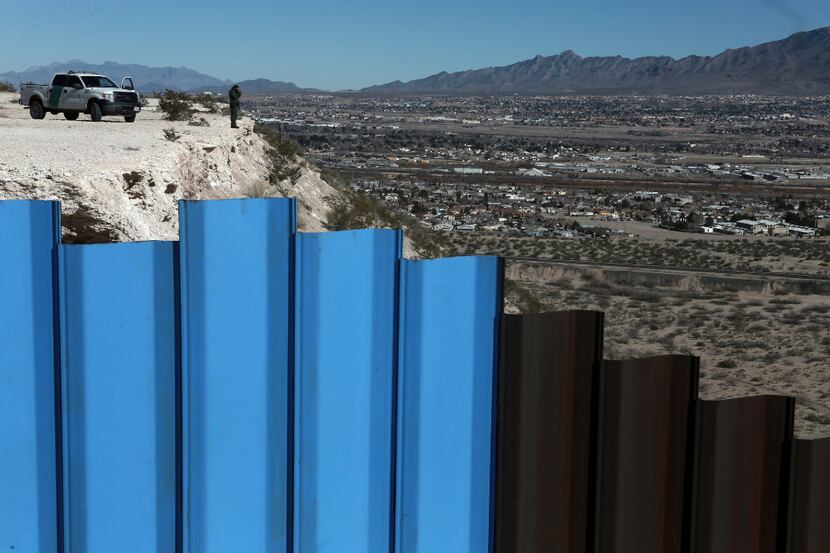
(234, 115)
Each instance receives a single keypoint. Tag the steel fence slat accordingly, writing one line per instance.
(236, 289)
(548, 378)
(119, 360)
(29, 234)
(646, 417)
(739, 486)
(448, 354)
(344, 383)
(809, 522)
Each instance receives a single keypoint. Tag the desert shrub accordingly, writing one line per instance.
(176, 106)
(282, 145)
(726, 364)
(353, 210)
(525, 300)
(6, 86)
(281, 153)
(819, 309)
(817, 418)
(208, 102)
(171, 135)
(198, 122)
(756, 328)
(785, 301)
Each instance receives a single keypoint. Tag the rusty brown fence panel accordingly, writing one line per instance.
(547, 386)
(646, 417)
(741, 465)
(810, 497)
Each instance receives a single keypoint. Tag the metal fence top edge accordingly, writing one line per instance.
(381, 231)
(113, 245)
(452, 259)
(28, 201)
(214, 201)
(654, 358)
(748, 399)
(824, 441)
(553, 315)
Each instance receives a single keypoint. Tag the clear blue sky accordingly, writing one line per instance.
(338, 44)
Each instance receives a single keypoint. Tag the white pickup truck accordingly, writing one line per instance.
(74, 93)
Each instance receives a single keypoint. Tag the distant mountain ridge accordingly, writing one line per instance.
(262, 86)
(152, 79)
(796, 65)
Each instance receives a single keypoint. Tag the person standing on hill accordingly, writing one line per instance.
(233, 95)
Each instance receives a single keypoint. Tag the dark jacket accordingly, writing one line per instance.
(234, 95)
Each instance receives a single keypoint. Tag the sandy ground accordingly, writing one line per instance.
(755, 332)
(751, 340)
(122, 181)
(751, 254)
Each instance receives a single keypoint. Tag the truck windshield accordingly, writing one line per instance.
(98, 82)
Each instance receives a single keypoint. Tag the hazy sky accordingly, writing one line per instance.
(338, 44)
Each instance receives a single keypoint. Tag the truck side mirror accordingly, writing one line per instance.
(127, 83)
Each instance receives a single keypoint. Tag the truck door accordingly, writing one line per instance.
(73, 94)
(56, 90)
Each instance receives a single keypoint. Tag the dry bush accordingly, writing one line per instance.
(208, 102)
(176, 106)
(171, 135)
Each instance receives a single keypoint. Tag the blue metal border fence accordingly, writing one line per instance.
(254, 389)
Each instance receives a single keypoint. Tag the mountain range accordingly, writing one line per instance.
(151, 79)
(796, 65)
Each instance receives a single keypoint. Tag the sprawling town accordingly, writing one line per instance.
(543, 211)
(577, 166)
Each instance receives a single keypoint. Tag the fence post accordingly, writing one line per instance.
(448, 354)
(739, 490)
(809, 516)
(548, 380)
(346, 310)
(29, 370)
(237, 296)
(119, 353)
(646, 432)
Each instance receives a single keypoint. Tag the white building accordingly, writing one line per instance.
(468, 170)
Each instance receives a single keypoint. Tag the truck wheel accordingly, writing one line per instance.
(95, 111)
(36, 110)
(129, 118)
(70, 115)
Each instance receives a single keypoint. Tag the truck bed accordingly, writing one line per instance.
(26, 91)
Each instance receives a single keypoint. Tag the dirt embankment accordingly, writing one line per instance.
(681, 280)
(121, 181)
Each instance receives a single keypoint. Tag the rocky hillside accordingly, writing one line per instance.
(797, 65)
(121, 182)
